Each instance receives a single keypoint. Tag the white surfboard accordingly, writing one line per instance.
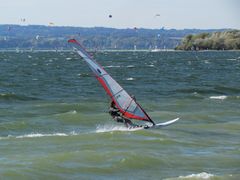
(158, 125)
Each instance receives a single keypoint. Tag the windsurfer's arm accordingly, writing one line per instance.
(111, 109)
(112, 104)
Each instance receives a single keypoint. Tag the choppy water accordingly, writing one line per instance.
(54, 122)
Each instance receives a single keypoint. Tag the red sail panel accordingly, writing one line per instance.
(124, 102)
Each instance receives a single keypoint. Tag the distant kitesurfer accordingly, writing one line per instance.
(117, 115)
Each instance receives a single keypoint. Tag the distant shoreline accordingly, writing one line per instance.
(99, 38)
(112, 50)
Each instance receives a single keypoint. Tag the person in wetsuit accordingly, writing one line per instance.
(117, 115)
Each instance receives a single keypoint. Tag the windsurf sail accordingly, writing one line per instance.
(124, 102)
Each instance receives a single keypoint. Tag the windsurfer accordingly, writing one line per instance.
(117, 115)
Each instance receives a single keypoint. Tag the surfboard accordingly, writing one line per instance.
(156, 126)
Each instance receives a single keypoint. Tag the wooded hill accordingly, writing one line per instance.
(226, 40)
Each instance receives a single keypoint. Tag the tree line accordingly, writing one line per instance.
(226, 40)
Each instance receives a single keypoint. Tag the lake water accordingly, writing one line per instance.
(54, 122)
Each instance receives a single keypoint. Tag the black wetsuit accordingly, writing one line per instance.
(116, 115)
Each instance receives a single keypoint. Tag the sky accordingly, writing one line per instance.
(176, 14)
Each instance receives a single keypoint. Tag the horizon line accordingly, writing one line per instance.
(162, 28)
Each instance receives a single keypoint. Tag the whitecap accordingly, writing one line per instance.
(111, 66)
(206, 62)
(2, 138)
(69, 112)
(111, 128)
(68, 58)
(40, 135)
(218, 97)
(130, 79)
(130, 66)
(83, 75)
(73, 112)
(202, 175)
(150, 65)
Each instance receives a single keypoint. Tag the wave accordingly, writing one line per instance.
(37, 135)
(150, 65)
(232, 59)
(218, 97)
(12, 96)
(206, 61)
(130, 79)
(112, 66)
(118, 66)
(202, 175)
(215, 90)
(68, 58)
(85, 75)
(99, 129)
(198, 90)
(222, 97)
(111, 128)
(41, 135)
(205, 175)
(229, 90)
(130, 66)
